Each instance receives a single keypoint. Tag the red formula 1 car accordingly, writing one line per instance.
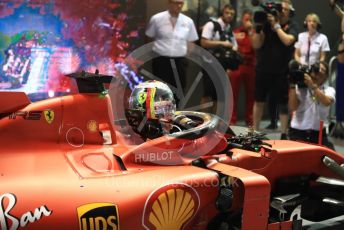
(65, 164)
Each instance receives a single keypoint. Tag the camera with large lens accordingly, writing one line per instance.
(297, 72)
(261, 16)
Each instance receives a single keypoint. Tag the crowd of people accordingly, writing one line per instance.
(267, 50)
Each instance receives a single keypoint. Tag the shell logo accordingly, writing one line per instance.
(170, 207)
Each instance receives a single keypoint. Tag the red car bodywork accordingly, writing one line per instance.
(57, 173)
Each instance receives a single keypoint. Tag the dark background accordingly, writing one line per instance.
(330, 24)
(330, 21)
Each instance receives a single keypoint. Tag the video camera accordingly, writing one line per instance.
(297, 72)
(261, 17)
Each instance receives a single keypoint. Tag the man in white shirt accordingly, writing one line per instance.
(310, 106)
(212, 38)
(172, 32)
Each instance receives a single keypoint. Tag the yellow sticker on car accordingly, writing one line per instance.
(49, 115)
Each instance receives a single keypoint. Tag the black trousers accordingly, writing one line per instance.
(311, 136)
(163, 68)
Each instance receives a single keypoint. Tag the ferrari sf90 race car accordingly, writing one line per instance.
(70, 163)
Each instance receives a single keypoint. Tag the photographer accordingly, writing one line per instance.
(217, 35)
(274, 43)
(211, 37)
(310, 105)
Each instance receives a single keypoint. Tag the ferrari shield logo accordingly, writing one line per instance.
(49, 116)
(142, 96)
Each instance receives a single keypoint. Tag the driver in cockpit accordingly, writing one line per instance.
(152, 111)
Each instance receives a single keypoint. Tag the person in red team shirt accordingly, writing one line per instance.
(246, 72)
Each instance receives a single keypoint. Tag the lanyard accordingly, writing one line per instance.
(308, 50)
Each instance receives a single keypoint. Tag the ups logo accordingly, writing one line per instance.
(98, 216)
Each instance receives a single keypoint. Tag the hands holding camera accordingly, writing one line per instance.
(306, 76)
(274, 22)
(271, 19)
(312, 80)
(309, 82)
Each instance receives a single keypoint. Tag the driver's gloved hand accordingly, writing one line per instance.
(184, 121)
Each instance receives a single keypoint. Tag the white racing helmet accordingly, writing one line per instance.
(153, 98)
(150, 103)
